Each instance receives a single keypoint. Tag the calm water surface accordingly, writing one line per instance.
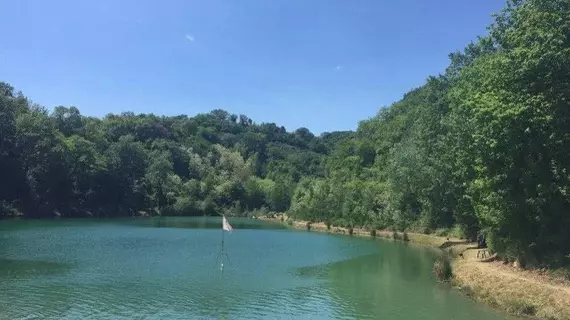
(168, 268)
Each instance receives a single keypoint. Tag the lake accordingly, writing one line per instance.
(169, 268)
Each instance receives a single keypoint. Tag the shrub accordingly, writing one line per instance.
(182, 207)
(457, 232)
(442, 268)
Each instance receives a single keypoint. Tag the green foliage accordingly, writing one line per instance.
(67, 164)
(516, 101)
(183, 206)
(482, 146)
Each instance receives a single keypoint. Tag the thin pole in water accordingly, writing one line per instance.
(222, 253)
(225, 227)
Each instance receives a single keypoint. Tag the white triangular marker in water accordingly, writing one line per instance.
(226, 225)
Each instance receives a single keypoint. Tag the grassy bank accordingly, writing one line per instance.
(516, 291)
(538, 294)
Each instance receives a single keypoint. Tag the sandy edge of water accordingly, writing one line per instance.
(518, 292)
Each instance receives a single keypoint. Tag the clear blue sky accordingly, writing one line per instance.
(320, 64)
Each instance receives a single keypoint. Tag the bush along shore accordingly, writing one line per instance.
(536, 293)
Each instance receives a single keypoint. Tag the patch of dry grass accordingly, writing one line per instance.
(512, 292)
(426, 239)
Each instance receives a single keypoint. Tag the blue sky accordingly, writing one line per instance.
(320, 64)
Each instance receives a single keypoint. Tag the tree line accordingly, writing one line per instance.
(480, 148)
(62, 163)
(483, 148)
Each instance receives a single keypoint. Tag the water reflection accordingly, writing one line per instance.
(396, 283)
(166, 268)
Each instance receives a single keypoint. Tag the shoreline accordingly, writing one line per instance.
(508, 289)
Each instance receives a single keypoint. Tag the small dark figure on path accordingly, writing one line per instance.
(482, 244)
(481, 241)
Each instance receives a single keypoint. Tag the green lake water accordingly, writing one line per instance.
(168, 268)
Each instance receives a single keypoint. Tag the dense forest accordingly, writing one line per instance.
(481, 148)
(65, 164)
